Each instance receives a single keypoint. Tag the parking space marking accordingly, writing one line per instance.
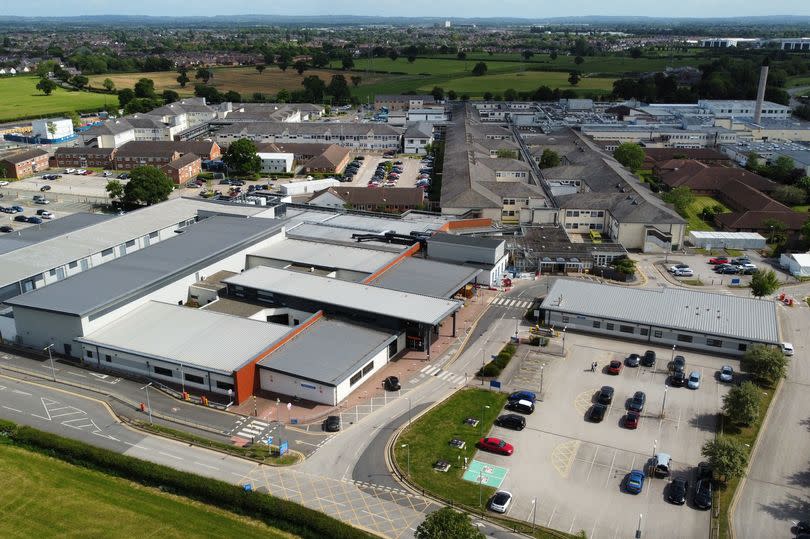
(593, 461)
(562, 456)
(610, 471)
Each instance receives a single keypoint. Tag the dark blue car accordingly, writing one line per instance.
(634, 482)
(523, 396)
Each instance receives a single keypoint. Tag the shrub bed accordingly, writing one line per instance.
(497, 365)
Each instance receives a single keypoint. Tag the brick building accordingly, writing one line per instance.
(184, 168)
(81, 156)
(23, 164)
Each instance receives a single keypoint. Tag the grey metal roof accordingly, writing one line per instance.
(677, 308)
(467, 241)
(355, 296)
(124, 279)
(427, 277)
(313, 355)
(49, 229)
(341, 236)
(189, 337)
(311, 253)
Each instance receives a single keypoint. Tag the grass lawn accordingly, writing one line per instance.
(694, 222)
(428, 66)
(522, 81)
(45, 497)
(19, 98)
(795, 82)
(803, 208)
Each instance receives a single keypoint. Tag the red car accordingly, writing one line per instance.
(615, 367)
(718, 260)
(631, 420)
(496, 445)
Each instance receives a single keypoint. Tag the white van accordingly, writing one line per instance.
(787, 348)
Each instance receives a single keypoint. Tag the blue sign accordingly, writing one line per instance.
(269, 440)
(494, 383)
(308, 386)
(248, 487)
(283, 448)
(735, 281)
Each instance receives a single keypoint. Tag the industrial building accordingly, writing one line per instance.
(679, 317)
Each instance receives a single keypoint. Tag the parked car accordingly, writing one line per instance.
(392, 384)
(684, 272)
(673, 269)
(787, 348)
(7, 210)
(634, 482)
(661, 462)
(727, 270)
(649, 359)
(678, 379)
(636, 404)
(45, 188)
(35, 220)
(500, 501)
(704, 471)
(596, 413)
(694, 380)
(726, 373)
(678, 364)
(614, 367)
(42, 201)
(633, 360)
(3, 183)
(21, 218)
(6, 229)
(741, 261)
(496, 445)
(605, 395)
(511, 421)
(45, 214)
(718, 260)
(332, 423)
(18, 209)
(703, 494)
(676, 493)
(524, 407)
(631, 420)
(523, 395)
(70, 170)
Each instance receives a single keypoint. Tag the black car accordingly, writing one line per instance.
(633, 360)
(511, 421)
(392, 384)
(597, 413)
(649, 359)
(224, 182)
(45, 188)
(727, 270)
(6, 229)
(703, 494)
(678, 379)
(636, 404)
(605, 395)
(679, 364)
(21, 218)
(677, 491)
(524, 407)
(704, 471)
(331, 424)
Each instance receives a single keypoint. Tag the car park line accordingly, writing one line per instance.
(610, 471)
(595, 454)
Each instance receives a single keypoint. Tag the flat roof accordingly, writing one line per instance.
(129, 277)
(74, 245)
(690, 310)
(726, 235)
(189, 337)
(467, 241)
(311, 253)
(48, 230)
(346, 294)
(327, 234)
(314, 354)
(427, 277)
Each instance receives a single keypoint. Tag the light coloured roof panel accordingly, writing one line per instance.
(310, 253)
(679, 308)
(346, 294)
(437, 279)
(325, 233)
(190, 337)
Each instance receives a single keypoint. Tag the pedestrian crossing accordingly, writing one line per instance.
(509, 302)
(436, 372)
(252, 429)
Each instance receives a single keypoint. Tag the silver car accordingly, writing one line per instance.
(500, 501)
(693, 380)
(726, 374)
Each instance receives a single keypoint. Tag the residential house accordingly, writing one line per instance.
(23, 164)
(396, 199)
(312, 157)
(184, 168)
(83, 156)
(417, 137)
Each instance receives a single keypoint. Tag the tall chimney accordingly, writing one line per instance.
(763, 82)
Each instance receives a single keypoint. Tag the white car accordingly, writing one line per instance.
(80, 171)
(676, 267)
(693, 380)
(683, 272)
(3, 183)
(500, 501)
(70, 170)
(726, 373)
(45, 214)
(787, 348)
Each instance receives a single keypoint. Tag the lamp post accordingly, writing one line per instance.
(534, 513)
(409, 411)
(182, 378)
(672, 357)
(638, 530)
(482, 418)
(408, 447)
(148, 404)
(664, 403)
(50, 358)
(542, 368)
(563, 343)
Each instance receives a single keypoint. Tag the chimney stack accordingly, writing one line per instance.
(763, 82)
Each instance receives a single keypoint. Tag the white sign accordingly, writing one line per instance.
(289, 406)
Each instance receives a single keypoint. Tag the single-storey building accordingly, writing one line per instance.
(797, 264)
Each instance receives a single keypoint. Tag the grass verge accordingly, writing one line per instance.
(46, 497)
(428, 440)
(694, 221)
(692, 282)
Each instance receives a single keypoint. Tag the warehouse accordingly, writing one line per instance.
(678, 317)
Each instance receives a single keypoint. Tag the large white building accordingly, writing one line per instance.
(52, 128)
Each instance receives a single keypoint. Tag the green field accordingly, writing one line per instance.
(694, 222)
(19, 99)
(429, 66)
(523, 82)
(796, 82)
(44, 497)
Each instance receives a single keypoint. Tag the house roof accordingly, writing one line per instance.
(467, 241)
(83, 150)
(429, 277)
(699, 176)
(363, 196)
(22, 157)
(146, 148)
(326, 255)
(331, 157)
(625, 207)
(755, 220)
(110, 127)
(183, 161)
(419, 130)
(348, 129)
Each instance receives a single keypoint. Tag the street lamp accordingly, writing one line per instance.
(408, 447)
(534, 513)
(50, 357)
(482, 417)
(664, 403)
(672, 358)
(542, 367)
(182, 378)
(148, 404)
(564, 330)
(409, 411)
(638, 530)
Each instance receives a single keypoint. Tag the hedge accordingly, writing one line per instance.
(283, 514)
(494, 367)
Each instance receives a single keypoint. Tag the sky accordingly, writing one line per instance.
(400, 8)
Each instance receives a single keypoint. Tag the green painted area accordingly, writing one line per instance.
(485, 474)
(694, 221)
(44, 497)
(19, 98)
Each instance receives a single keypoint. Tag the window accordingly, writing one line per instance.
(742, 347)
(153, 235)
(368, 368)
(224, 385)
(609, 327)
(164, 372)
(106, 252)
(684, 338)
(89, 353)
(714, 342)
(193, 378)
(73, 264)
(597, 325)
(643, 331)
(52, 273)
(355, 378)
(108, 358)
(130, 243)
(565, 319)
(569, 213)
(626, 329)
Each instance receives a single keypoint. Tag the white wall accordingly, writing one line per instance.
(344, 388)
(292, 386)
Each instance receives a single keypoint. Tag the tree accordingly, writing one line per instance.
(141, 104)
(147, 185)
(728, 457)
(777, 231)
(241, 157)
(320, 59)
(447, 524)
(549, 158)
(411, 59)
(45, 68)
(437, 93)
(488, 96)
(356, 79)
(258, 97)
(393, 55)
(283, 64)
(805, 231)
(479, 69)
(300, 66)
(764, 283)
(283, 96)
(338, 88)
(573, 78)
(347, 62)
(752, 162)
(115, 189)
(741, 404)
(183, 79)
(145, 88)
(635, 52)
(527, 54)
(452, 95)
(79, 81)
(46, 86)
(109, 85)
(553, 55)
(260, 68)
(233, 96)
(790, 195)
(314, 88)
(579, 60)
(204, 74)
(125, 96)
(766, 363)
(170, 96)
(781, 168)
(461, 55)
(510, 94)
(680, 197)
(630, 155)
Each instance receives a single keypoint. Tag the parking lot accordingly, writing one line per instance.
(73, 185)
(575, 469)
(704, 272)
(408, 177)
